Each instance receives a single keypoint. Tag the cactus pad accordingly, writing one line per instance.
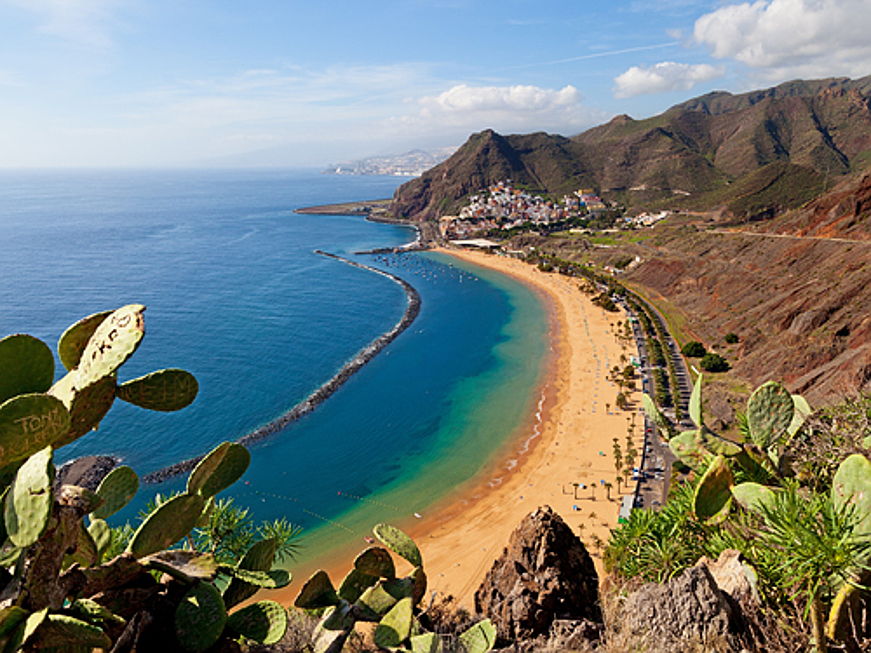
(802, 410)
(689, 449)
(264, 622)
(116, 489)
(170, 522)
(717, 445)
(92, 611)
(112, 343)
(221, 467)
(398, 542)
(395, 627)
(200, 618)
(851, 485)
(426, 643)
(63, 631)
(696, 402)
(182, 564)
(87, 405)
(27, 506)
(102, 534)
(376, 600)
(769, 413)
(318, 592)
(26, 366)
(653, 413)
(86, 552)
(258, 558)
(752, 495)
(29, 423)
(10, 617)
(354, 584)
(713, 498)
(480, 638)
(164, 390)
(418, 590)
(74, 340)
(333, 629)
(272, 579)
(375, 561)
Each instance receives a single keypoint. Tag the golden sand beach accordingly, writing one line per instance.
(560, 457)
(460, 542)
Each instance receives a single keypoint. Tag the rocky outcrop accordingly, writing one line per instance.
(86, 472)
(687, 613)
(733, 577)
(543, 587)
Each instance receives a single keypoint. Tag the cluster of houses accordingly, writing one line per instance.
(502, 206)
(646, 219)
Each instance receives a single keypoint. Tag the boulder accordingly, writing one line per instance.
(688, 611)
(545, 575)
(733, 576)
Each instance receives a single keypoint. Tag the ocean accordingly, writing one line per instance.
(236, 295)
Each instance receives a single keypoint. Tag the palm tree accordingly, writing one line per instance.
(608, 487)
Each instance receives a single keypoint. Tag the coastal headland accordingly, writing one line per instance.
(561, 456)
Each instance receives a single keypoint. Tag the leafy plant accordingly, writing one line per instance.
(694, 349)
(66, 582)
(372, 592)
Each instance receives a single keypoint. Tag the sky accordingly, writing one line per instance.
(194, 83)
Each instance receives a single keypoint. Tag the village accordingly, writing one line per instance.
(503, 207)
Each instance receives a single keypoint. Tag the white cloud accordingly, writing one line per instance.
(663, 77)
(84, 22)
(792, 38)
(504, 108)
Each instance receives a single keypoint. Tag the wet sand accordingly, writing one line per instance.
(568, 441)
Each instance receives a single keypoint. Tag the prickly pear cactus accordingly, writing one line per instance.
(259, 557)
(717, 445)
(87, 404)
(221, 467)
(398, 542)
(164, 390)
(752, 496)
(395, 627)
(354, 584)
(696, 402)
(264, 622)
(851, 485)
(770, 411)
(170, 522)
(116, 490)
(200, 618)
(426, 643)
(27, 506)
(480, 638)
(377, 562)
(101, 533)
(111, 344)
(713, 497)
(802, 410)
(59, 630)
(29, 423)
(74, 340)
(26, 366)
(689, 449)
(318, 592)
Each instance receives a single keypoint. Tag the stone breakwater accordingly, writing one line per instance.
(322, 393)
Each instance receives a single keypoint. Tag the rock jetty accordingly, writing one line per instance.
(326, 390)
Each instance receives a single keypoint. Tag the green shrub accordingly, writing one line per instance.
(694, 349)
(712, 362)
(731, 338)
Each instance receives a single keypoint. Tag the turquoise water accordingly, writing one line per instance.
(235, 294)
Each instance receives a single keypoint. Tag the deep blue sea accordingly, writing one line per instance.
(236, 295)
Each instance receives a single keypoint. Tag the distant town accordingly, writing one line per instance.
(503, 207)
(409, 164)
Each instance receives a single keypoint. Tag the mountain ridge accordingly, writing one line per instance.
(686, 157)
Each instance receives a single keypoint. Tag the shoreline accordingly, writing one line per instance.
(573, 444)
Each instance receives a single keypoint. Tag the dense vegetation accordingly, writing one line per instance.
(794, 498)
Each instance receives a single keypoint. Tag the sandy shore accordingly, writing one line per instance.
(575, 446)
(569, 442)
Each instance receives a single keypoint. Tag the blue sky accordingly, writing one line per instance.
(268, 82)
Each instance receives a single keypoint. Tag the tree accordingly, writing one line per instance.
(731, 338)
(621, 401)
(694, 349)
(712, 362)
